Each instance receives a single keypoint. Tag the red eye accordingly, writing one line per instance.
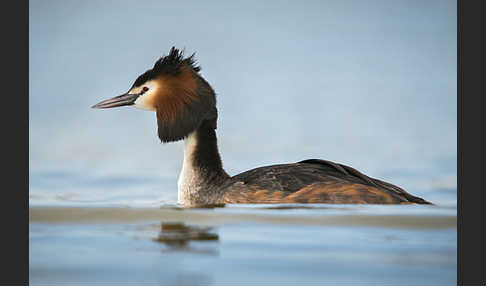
(144, 89)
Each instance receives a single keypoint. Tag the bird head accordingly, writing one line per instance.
(177, 93)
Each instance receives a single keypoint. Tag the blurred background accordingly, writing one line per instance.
(370, 84)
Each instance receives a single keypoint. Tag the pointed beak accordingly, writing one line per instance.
(121, 100)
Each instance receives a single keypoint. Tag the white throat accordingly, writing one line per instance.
(187, 185)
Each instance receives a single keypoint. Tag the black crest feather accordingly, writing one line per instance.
(168, 65)
(172, 63)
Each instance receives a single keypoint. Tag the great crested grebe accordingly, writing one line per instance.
(185, 105)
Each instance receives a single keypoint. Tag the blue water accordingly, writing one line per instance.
(87, 228)
(243, 245)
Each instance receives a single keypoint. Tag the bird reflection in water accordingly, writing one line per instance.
(177, 237)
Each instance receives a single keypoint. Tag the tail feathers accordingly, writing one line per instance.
(346, 170)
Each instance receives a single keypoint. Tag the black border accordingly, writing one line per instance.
(471, 142)
(15, 136)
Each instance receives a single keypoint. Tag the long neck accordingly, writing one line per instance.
(202, 171)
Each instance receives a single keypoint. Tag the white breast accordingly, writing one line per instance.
(188, 178)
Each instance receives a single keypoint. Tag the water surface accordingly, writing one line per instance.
(243, 245)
